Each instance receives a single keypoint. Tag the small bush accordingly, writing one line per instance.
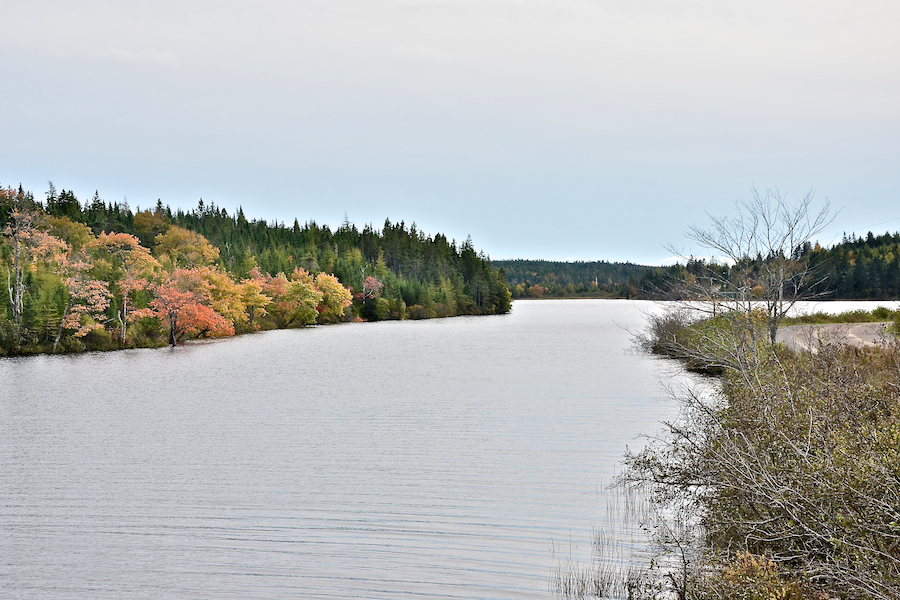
(748, 577)
(416, 312)
(147, 333)
(99, 339)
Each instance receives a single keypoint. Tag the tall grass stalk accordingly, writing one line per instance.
(621, 552)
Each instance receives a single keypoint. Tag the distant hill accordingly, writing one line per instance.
(579, 279)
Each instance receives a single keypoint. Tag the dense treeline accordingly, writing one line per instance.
(97, 275)
(859, 268)
(591, 279)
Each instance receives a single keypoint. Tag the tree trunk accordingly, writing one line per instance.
(172, 337)
(61, 321)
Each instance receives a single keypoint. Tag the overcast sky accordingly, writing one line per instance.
(559, 129)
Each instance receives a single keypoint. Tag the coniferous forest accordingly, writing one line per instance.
(579, 279)
(857, 268)
(95, 275)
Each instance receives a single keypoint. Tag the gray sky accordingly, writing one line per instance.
(557, 129)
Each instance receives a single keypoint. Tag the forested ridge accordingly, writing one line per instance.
(858, 268)
(92, 274)
(578, 279)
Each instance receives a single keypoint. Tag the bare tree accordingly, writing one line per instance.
(765, 245)
(787, 458)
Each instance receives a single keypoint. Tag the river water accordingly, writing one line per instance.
(430, 459)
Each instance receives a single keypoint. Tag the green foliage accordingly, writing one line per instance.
(858, 268)
(69, 282)
(862, 267)
(878, 315)
(407, 261)
(579, 279)
(100, 339)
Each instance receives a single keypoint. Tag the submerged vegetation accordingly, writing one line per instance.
(97, 276)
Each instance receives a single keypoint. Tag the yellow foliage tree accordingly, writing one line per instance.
(335, 298)
(182, 248)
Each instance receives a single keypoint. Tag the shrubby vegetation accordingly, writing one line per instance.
(788, 476)
(98, 276)
(878, 315)
(780, 480)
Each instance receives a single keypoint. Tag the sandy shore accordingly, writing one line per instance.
(802, 337)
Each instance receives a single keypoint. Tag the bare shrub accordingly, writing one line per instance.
(796, 459)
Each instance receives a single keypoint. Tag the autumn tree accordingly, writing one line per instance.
(88, 297)
(183, 304)
(72, 232)
(335, 298)
(182, 248)
(254, 300)
(150, 225)
(129, 267)
(371, 288)
(297, 304)
(29, 242)
(224, 294)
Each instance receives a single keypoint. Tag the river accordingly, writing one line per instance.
(427, 459)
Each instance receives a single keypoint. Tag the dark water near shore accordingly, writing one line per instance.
(431, 459)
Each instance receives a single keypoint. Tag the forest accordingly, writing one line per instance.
(578, 279)
(858, 268)
(865, 268)
(96, 275)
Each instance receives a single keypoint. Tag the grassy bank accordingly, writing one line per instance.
(878, 315)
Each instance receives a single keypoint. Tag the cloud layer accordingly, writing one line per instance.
(556, 129)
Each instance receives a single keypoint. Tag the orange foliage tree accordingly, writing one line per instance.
(183, 303)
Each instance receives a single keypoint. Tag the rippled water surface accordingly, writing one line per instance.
(430, 459)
